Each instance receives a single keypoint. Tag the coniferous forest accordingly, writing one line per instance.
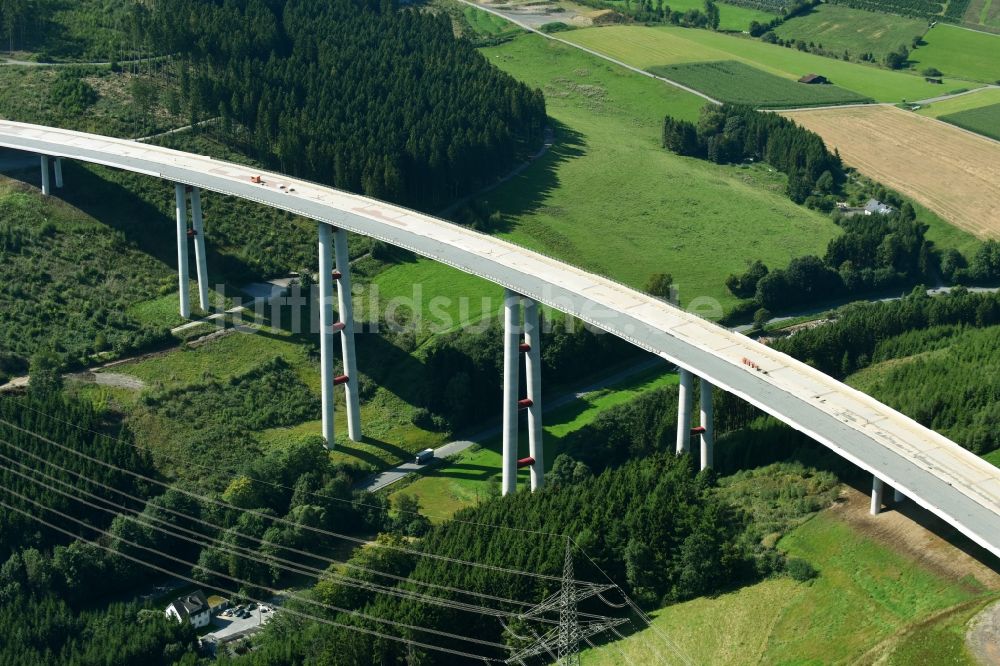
(353, 93)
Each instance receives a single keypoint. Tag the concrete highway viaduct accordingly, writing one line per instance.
(914, 461)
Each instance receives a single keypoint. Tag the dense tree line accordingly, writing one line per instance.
(47, 630)
(72, 424)
(929, 9)
(797, 8)
(731, 133)
(652, 522)
(354, 93)
(950, 380)
(659, 11)
(874, 252)
(849, 343)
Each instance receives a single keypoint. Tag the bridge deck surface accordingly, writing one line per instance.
(930, 469)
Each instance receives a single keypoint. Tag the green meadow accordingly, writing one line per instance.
(869, 604)
(839, 28)
(960, 53)
(607, 197)
(649, 47)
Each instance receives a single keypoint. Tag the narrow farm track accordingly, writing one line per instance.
(592, 52)
(953, 172)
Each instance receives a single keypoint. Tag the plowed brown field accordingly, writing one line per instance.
(953, 172)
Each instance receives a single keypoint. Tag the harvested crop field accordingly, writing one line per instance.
(953, 172)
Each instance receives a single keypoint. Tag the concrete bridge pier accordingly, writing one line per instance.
(326, 329)
(59, 174)
(198, 228)
(897, 496)
(180, 196)
(511, 385)
(346, 309)
(684, 412)
(46, 183)
(533, 373)
(707, 428)
(878, 487)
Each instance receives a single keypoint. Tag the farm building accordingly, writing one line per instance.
(193, 608)
(813, 78)
(876, 207)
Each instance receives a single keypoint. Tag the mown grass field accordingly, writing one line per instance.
(609, 198)
(476, 472)
(649, 47)
(985, 120)
(960, 53)
(738, 83)
(870, 604)
(839, 28)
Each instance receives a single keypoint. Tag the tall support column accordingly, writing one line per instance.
(708, 434)
(511, 366)
(198, 224)
(533, 374)
(684, 413)
(877, 488)
(59, 176)
(182, 250)
(897, 496)
(326, 331)
(346, 307)
(46, 185)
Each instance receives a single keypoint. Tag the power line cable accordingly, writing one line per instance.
(260, 514)
(222, 528)
(280, 485)
(251, 584)
(289, 566)
(228, 592)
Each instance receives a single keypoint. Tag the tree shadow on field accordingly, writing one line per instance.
(465, 471)
(529, 190)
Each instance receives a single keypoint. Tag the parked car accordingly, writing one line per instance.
(251, 606)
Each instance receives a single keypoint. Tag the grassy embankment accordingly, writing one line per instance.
(649, 47)
(869, 601)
